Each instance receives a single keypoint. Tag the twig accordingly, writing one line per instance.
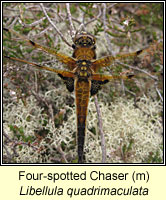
(13, 22)
(103, 148)
(130, 92)
(158, 92)
(123, 87)
(47, 103)
(26, 144)
(109, 7)
(140, 70)
(35, 23)
(59, 149)
(96, 17)
(137, 106)
(48, 18)
(81, 27)
(105, 30)
(7, 137)
(15, 143)
(9, 156)
(10, 140)
(72, 29)
(41, 33)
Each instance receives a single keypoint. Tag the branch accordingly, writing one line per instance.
(105, 29)
(140, 70)
(158, 92)
(94, 18)
(48, 18)
(103, 148)
(72, 29)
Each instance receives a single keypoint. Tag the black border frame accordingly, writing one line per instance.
(85, 164)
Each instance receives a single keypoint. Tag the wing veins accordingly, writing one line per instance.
(58, 71)
(107, 60)
(68, 61)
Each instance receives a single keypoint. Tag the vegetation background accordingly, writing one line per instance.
(39, 114)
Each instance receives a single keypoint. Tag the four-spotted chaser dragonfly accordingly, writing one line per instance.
(82, 76)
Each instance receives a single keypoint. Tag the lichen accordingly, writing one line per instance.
(122, 123)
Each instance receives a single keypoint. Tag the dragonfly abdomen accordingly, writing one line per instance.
(82, 93)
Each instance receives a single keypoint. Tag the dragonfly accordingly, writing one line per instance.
(82, 76)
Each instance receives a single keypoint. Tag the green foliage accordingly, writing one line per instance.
(152, 13)
(98, 28)
(18, 132)
(154, 157)
(93, 130)
(73, 8)
(127, 148)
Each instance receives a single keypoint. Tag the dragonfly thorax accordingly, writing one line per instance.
(83, 69)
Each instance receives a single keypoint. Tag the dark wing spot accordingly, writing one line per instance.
(32, 43)
(5, 29)
(96, 86)
(69, 82)
(37, 65)
(6, 57)
(73, 46)
(130, 76)
(139, 52)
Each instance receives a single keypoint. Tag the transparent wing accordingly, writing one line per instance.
(107, 60)
(68, 61)
(62, 72)
(103, 77)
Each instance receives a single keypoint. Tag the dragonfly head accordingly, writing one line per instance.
(84, 39)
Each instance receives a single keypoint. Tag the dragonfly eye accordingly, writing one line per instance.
(84, 40)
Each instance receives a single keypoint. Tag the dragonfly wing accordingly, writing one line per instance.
(105, 78)
(100, 79)
(58, 71)
(68, 61)
(96, 85)
(69, 82)
(107, 60)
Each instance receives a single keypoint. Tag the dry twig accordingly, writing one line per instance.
(103, 148)
(72, 29)
(48, 18)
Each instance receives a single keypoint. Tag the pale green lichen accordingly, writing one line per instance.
(122, 122)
